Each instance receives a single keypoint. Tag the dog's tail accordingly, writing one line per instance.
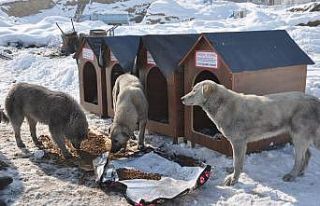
(3, 117)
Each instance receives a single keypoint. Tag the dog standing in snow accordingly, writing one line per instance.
(248, 118)
(38, 104)
(130, 109)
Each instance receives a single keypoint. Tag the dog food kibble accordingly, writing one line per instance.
(129, 174)
(95, 144)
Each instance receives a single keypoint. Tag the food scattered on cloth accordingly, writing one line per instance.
(129, 174)
(185, 161)
(150, 178)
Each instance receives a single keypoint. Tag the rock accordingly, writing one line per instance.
(2, 203)
(3, 165)
(39, 154)
(5, 181)
(310, 23)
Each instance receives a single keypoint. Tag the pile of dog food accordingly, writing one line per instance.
(95, 144)
(129, 174)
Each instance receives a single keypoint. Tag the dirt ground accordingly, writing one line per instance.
(26, 8)
(31, 7)
(42, 182)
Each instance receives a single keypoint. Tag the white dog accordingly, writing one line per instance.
(248, 118)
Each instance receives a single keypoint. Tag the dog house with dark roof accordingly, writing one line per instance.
(92, 75)
(257, 62)
(100, 61)
(162, 77)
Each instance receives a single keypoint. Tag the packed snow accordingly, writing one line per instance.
(44, 183)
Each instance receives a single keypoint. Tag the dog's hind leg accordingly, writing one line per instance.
(301, 157)
(16, 122)
(305, 162)
(58, 138)
(33, 131)
(239, 150)
(142, 128)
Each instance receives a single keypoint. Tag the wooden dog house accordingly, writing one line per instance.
(158, 70)
(92, 75)
(100, 61)
(258, 62)
(121, 55)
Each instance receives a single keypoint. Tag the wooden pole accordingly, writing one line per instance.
(60, 28)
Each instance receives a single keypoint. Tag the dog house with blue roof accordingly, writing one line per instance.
(257, 62)
(159, 71)
(101, 60)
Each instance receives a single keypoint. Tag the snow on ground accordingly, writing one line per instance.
(45, 183)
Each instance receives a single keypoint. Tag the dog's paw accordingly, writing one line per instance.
(229, 170)
(39, 145)
(67, 156)
(141, 147)
(230, 180)
(21, 145)
(288, 178)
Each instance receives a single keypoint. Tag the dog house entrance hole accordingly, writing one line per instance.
(201, 122)
(157, 95)
(90, 84)
(115, 73)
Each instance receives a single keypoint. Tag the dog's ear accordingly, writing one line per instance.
(207, 89)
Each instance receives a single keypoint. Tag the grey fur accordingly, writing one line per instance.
(56, 109)
(248, 118)
(131, 110)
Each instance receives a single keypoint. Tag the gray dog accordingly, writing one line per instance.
(56, 109)
(131, 110)
(248, 118)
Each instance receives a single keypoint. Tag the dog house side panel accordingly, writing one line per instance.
(179, 92)
(270, 81)
(87, 57)
(108, 89)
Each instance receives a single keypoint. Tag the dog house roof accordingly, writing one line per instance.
(125, 49)
(95, 43)
(118, 44)
(168, 50)
(255, 50)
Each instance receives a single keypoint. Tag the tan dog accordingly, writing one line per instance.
(131, 110)
(248, 118)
